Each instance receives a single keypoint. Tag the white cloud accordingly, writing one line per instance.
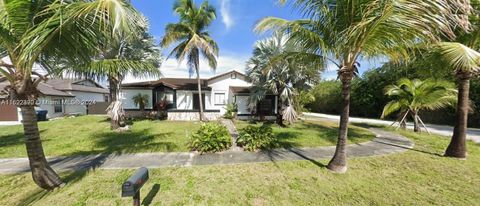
(226, 13)
(171, 69)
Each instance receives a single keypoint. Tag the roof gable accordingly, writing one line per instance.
(227, 74)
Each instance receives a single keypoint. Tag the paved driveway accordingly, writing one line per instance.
(473, 133)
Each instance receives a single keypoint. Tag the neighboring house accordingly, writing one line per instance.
(182, 95)
(59, 97)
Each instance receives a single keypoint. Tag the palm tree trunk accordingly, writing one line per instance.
(200, 96)
(114, 124)
(280, 112)
(416, 124)
(279, 106)
(457, 147)
(339, 161)
(43, 175)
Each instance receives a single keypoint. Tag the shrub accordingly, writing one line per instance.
(231, 112)
(252, 138)
(211, 137)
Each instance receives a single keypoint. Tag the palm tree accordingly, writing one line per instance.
(133, 55)
(140, 100)
(39, 31)
(413, 96)
(466, 62)
(192, 38)
(343, 31)
(274, 68)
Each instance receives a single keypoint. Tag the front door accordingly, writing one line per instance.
(196, 102)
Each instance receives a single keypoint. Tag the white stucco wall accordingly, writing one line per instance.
(126, 96)
(47, 104)
(185, 100)
(78, 107)
(222, 85)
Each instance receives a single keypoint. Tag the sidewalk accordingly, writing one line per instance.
(384, 143)
(472, 134)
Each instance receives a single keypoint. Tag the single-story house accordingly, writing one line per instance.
(59, 97)
(183, 97)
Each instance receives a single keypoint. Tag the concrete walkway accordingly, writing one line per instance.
(228, 123)
(472, 134)
(384, 143)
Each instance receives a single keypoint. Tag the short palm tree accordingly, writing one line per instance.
(140, 100)
(466, 63)
(41, 31)
(413, 96)
(343, 31)
(192, 38)
(275, 69)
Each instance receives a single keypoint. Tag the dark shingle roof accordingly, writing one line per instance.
(60, 87)
(43, 88)
(72, 85)
(174, 83)
(49, 90)
(179, 83)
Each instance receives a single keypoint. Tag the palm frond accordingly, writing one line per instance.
(460, 57)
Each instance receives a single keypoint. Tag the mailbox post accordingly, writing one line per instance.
(131, 188)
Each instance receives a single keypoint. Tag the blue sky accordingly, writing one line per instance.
(232, 30)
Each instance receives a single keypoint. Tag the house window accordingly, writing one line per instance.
(219, 98)
(233, 76)
(166, 96)
(106, 98)
(58, 105)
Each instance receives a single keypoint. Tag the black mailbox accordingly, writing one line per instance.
(131, 188)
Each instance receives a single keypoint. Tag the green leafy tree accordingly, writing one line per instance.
(413, 96)
(277, 67)
(327, 98)
(343, 31)
(191, 38)
(39, 31)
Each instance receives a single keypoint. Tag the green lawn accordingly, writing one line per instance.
(92, 135)
(313, 133)
(416, 177)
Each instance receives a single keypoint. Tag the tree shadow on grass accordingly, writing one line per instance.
(37, 195)
(16, 139)
(68, 178)
(276, 154)
(411, 149)
(286, 137)
(129, 142)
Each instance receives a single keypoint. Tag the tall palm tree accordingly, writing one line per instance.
(133, 54)
(192, 38)
(343, 31)
(466, 62)
(413, 96)
(39, 31)
(275, 68)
